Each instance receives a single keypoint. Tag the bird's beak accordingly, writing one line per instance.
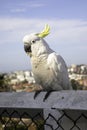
(27, 48)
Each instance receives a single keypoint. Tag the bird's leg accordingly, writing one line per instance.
(47, 95)
(36, 93)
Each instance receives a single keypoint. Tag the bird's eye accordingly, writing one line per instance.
(33, 41)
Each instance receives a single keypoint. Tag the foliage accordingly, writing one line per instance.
(4, 83)
(75, 85)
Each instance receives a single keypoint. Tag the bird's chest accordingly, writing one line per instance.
(40, 70)
(39, 66)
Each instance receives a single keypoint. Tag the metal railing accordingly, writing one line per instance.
(64, 110)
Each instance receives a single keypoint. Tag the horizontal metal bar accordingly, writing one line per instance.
(62, 100)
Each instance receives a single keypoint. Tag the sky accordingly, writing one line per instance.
(66, 18)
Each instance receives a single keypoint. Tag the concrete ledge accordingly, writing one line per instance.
(62, 100)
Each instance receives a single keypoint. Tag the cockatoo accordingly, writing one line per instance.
(48, 67)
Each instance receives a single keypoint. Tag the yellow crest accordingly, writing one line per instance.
(45, 32)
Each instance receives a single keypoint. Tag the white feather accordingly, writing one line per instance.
(49, 68)
(58, 66)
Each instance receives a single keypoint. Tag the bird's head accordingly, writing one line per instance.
(33, 41)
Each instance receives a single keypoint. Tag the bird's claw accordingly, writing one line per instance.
(36, 93)
(46, 95)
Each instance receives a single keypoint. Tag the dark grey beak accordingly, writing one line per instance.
(27, 48)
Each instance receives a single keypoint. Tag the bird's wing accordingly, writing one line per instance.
(59, 68)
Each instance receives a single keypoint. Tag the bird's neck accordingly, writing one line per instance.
(41, 50)
(40, 57)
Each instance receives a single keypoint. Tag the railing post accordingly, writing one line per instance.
(51, 117)
(65, 120)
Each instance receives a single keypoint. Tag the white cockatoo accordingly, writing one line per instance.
(48, 67)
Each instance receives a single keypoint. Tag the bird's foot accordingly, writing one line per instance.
(36, 93)
(47, 95)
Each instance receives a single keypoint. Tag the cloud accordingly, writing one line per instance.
(68, 37)
(63, 31)
(24, 7)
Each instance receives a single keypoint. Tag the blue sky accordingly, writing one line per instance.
(68, 37)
